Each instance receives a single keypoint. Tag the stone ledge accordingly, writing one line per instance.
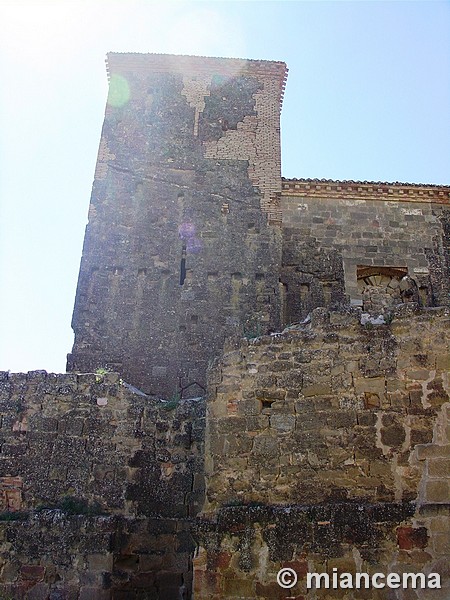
(343, 190)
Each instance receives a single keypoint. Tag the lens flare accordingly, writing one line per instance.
(186, 232)
(194, 245)
(119, 91)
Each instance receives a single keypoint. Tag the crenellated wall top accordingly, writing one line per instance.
(371, 190)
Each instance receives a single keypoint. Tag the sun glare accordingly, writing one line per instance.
(206, 32)
(42, 35)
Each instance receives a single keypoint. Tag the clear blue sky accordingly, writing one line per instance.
(368, 98)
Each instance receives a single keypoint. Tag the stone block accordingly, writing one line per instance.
(265, 445)
(393, 436)
(273, 591)
(282, 423)
(249, 407)
(40, 591)
(375, 385)
(299, 566)
(421, 436)
(265, 381)
(341, 418)
(418, 374)
(432, 451)
(412, 537)
(239, 588)
(319, 389)
(443, 362)
(91, 579)
(231, 425)
(219, 560)
(270, 395)
(149, 562)
(145, 580)
(437, 491)
(237, 445)
(10, 571)
(206, 583)
(366, 419)
(441, 544)
(352, 366)
(439, 467)
(280, 365)
(32, 572)
(394, 385)
(93, 593)
(398, 400)
(100, 562)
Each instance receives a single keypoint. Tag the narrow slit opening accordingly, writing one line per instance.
(183, 265)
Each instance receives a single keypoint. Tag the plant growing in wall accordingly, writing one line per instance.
(173, 402)
(13, 516)
(252, 327)
(71, 505)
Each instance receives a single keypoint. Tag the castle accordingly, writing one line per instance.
(260, 372)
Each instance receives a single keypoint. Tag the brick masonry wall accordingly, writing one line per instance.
(325, 238)
(178, 250)
(328, 446)
(104, 483)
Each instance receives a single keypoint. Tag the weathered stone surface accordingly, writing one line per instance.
(320, 422)
(179, 252)
(327, 445)
(338, 243)
(331, 480)
(85, 458)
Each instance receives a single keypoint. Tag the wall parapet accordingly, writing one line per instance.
(327, 448)
(371, 190)
(328, 409)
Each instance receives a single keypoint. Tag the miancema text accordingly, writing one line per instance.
(377, 580)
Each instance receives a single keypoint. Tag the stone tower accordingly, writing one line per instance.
(183, 244)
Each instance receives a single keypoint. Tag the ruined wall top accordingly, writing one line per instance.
(196, 65)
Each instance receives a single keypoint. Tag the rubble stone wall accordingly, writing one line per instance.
(328, 446)
(99, 486)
